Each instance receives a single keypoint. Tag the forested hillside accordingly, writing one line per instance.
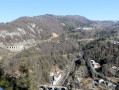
(105, 52)
(53, 41)
(37, 62)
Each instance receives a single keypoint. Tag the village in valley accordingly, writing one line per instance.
(77, 75)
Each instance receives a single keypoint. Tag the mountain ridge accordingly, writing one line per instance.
(29, 30)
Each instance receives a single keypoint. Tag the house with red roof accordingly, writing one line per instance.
(56, 77)
(95, 65)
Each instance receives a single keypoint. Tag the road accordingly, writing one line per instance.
(69, 71)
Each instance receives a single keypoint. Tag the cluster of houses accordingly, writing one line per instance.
(56, 77)
(100, 81)
(95, 65)
(116, 42)
(106, 83)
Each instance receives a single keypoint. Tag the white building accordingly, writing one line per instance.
(57, 76)
(87, 28)
(95, 65)
(101, 81)
(92, 61)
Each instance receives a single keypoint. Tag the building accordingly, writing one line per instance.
(56, 77)
(95, 65)
(101, 81)
(87, 28)
(92, 61)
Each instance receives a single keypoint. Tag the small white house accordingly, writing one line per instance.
(101, 81)
(57, 76)
(92, 61)
(95, 65)
(108, 84)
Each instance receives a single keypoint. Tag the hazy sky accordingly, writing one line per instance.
(92, 9)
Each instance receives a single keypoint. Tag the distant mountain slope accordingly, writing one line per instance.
(28, 30)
